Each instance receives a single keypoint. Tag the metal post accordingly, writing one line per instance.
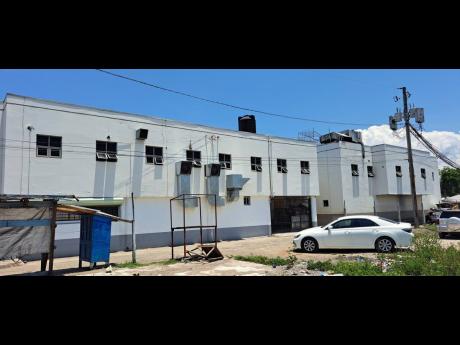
(183, 216)
(375, 212)
(172, 230)
(215, 219)
(133, 233)
(411, 162)
(423, 212)
(344, 208)
(399, 209)
(201, 222)
(53, 235)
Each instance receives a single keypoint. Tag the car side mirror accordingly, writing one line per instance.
(329, 227)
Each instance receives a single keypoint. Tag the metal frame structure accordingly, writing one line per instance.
(184, 227)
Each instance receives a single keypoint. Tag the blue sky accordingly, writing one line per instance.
(357, 96)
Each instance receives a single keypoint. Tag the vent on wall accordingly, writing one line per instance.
(142, 133)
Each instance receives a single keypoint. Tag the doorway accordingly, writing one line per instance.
(290, 213)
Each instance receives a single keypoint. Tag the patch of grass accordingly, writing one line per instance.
(431, 227)
(347, 268)
(264, 260)
(428, 258)
(167, 262)
(132, 265)
(129, 264)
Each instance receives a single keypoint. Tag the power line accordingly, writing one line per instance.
(231, 105)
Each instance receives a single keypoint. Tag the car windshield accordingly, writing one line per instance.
(450, 214)
(388, 220)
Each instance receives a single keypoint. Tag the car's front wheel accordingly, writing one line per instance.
(309, 245)
(384, 245)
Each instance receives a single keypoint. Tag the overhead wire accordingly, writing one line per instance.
(231, 105)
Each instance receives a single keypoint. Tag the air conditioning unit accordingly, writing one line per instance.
(284, 170)
(234, 183)
(304, 171)
(183, 168)
(258, 168)
(158, 160)
(212, 169)
(141, 134)
(196, 164)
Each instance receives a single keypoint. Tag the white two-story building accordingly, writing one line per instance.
(266, 184)
(359, 179)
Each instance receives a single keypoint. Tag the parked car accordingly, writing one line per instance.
(449, 223)
(356, 232)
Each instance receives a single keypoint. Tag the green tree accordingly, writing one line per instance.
(450, 181)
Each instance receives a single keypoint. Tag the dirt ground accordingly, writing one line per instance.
(276, 245)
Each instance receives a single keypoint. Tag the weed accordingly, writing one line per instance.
(264, 260)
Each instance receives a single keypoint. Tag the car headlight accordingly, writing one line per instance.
(297, 236)
(409, 230)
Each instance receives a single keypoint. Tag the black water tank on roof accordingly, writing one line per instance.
(247, 123)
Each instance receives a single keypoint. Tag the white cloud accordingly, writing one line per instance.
(445, 141)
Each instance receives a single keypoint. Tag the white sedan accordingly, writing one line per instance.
(356, 232)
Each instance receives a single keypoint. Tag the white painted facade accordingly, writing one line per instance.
(347, 194)
(77, 171)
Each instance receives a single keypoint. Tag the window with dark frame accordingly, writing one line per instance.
(154, 155)
(423, 173)
(225, 161)
(247, 200)
(282, 166)
(370, 171)
(432, 175)
(398, 171)
(304, 167)
(354, 170)
(325, 203)
(49, 146)
(106, 151)
(256, 164)
(195, 157)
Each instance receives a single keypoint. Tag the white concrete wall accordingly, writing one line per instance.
(77, 171)
(152, 216)
(359, 192)
(387, 157)
(293, 182)
(337, 183)
(330, 179)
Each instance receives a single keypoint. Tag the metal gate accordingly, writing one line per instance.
(290, 213)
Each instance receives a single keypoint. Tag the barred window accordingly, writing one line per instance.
(154, 155)
(282, 166)
(225, 161)
(106, 151)
(304, 167)
(354, 170)
(256, 164)
(49, 146)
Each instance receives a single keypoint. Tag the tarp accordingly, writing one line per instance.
(455, 198)
(24, 230)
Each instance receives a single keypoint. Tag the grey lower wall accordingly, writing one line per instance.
(70, 247)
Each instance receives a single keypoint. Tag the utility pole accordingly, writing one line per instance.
(409, 154)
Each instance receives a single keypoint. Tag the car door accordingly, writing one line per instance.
(362, 233)
(337, 235)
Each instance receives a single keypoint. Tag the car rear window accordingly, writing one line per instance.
(388, 220)
(449, 214)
